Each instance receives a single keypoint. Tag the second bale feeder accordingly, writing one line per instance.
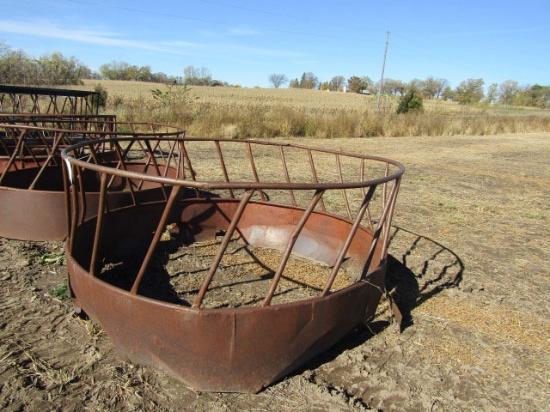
(32, 195)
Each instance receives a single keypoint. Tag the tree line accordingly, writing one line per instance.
(508, 93)
(16, 67)
(55, 69)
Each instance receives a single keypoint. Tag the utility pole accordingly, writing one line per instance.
(383, 67)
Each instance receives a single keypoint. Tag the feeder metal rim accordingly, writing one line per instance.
(234, 185)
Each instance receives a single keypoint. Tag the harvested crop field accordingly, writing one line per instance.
(470, 255)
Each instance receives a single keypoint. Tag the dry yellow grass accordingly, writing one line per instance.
(231, 112)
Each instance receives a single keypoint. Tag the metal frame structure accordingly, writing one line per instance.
(20, 99)
(31, 171)
(337, 210)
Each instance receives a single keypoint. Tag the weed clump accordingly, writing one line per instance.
(410, 102)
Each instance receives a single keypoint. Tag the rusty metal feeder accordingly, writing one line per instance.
(32, 195)
(327, 206)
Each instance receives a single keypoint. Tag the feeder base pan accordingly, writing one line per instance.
(228, 349)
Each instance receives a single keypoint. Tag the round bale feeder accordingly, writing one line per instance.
(32, 186)
(263, 256)
(34, 151)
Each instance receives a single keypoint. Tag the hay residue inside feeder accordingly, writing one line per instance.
(242, 279)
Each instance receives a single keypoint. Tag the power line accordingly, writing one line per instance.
(289, 16)
(182, 17)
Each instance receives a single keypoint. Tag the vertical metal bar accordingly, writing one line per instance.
(180, 173)
(93, 153)
(156, 238)
(81, 194)
(66, 186)
(254, 170)
(393, 200)
(74, 209)
(315, 177)
(224, 168)
(99, 224)
(155, 164)
(287, 176)
(376, 234)
(74, 215)
(292, 241)
(122, 164)
(170, 157)
(362, 175)
(227, 238)
(13, 156)
(158, 146)
(385, 186)
(186, 157)
(345, 247)
(344, 192)
(57, 141)
(25, 145)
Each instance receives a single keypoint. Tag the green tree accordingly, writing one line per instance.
(115, 70)
(59, 70)
(324, 86)
(363, 84)
(432, 88)
(540, 96)
(16, 67)
(491, 95)
(102, 95)
(354, 84)
(393, 87)
(536, 95)
(411, 101)
(507, 91)
(448, 94)
(470, 91)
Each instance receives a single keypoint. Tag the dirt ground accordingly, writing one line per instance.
(470, 254)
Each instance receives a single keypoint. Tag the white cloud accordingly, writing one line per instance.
(50, 30)
(41, 28)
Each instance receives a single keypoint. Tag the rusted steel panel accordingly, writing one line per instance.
(230, 350)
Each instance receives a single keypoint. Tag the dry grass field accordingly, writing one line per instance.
(266, 113)
(470, 257)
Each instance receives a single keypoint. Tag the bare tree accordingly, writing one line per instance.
(393, 87)
(278, 80)
(309, 81)
(507, 91)
(336, 83)
(194, 76)
(491, 96)
(432, 88)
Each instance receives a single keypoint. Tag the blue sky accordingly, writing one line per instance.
(244, 41)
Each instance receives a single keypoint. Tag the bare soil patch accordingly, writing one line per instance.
(469, 262)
